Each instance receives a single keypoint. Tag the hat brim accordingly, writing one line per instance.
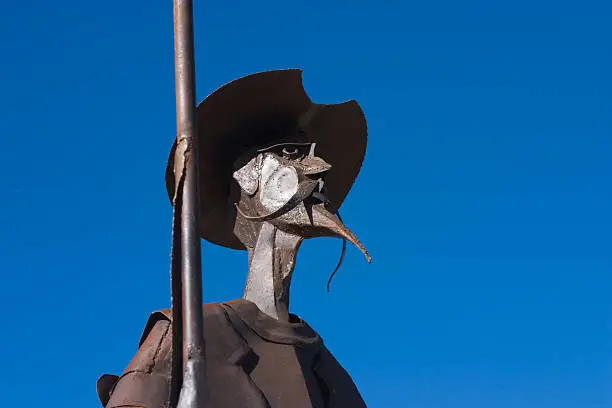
(104, 387)
(257, 110)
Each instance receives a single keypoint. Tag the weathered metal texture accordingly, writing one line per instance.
(289, 193)
(282, 202)
(186, 285)
(253, 361)
(261, 110)
(276, 169)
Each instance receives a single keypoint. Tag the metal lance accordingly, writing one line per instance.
(188, 388)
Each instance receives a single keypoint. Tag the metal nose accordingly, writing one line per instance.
(314, 165)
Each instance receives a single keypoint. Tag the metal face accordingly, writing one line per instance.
(283, 201)
(285, 185)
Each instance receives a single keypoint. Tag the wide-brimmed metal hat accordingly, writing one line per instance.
(259, 110)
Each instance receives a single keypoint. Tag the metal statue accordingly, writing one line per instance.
(274, 168)
(260, 167)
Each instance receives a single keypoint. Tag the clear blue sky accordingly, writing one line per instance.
(485, 197)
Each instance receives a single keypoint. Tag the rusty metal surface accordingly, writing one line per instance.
(283, 201)
(186, 291)
(253, 361)
(270, 182)
(261, 110)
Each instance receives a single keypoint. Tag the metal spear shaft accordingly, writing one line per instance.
(191, 384)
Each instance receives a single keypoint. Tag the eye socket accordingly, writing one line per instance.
(290, 151)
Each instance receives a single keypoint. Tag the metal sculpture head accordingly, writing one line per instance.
(284, 185)
(274, 168)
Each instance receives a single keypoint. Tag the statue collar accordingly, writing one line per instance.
(294, 332)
